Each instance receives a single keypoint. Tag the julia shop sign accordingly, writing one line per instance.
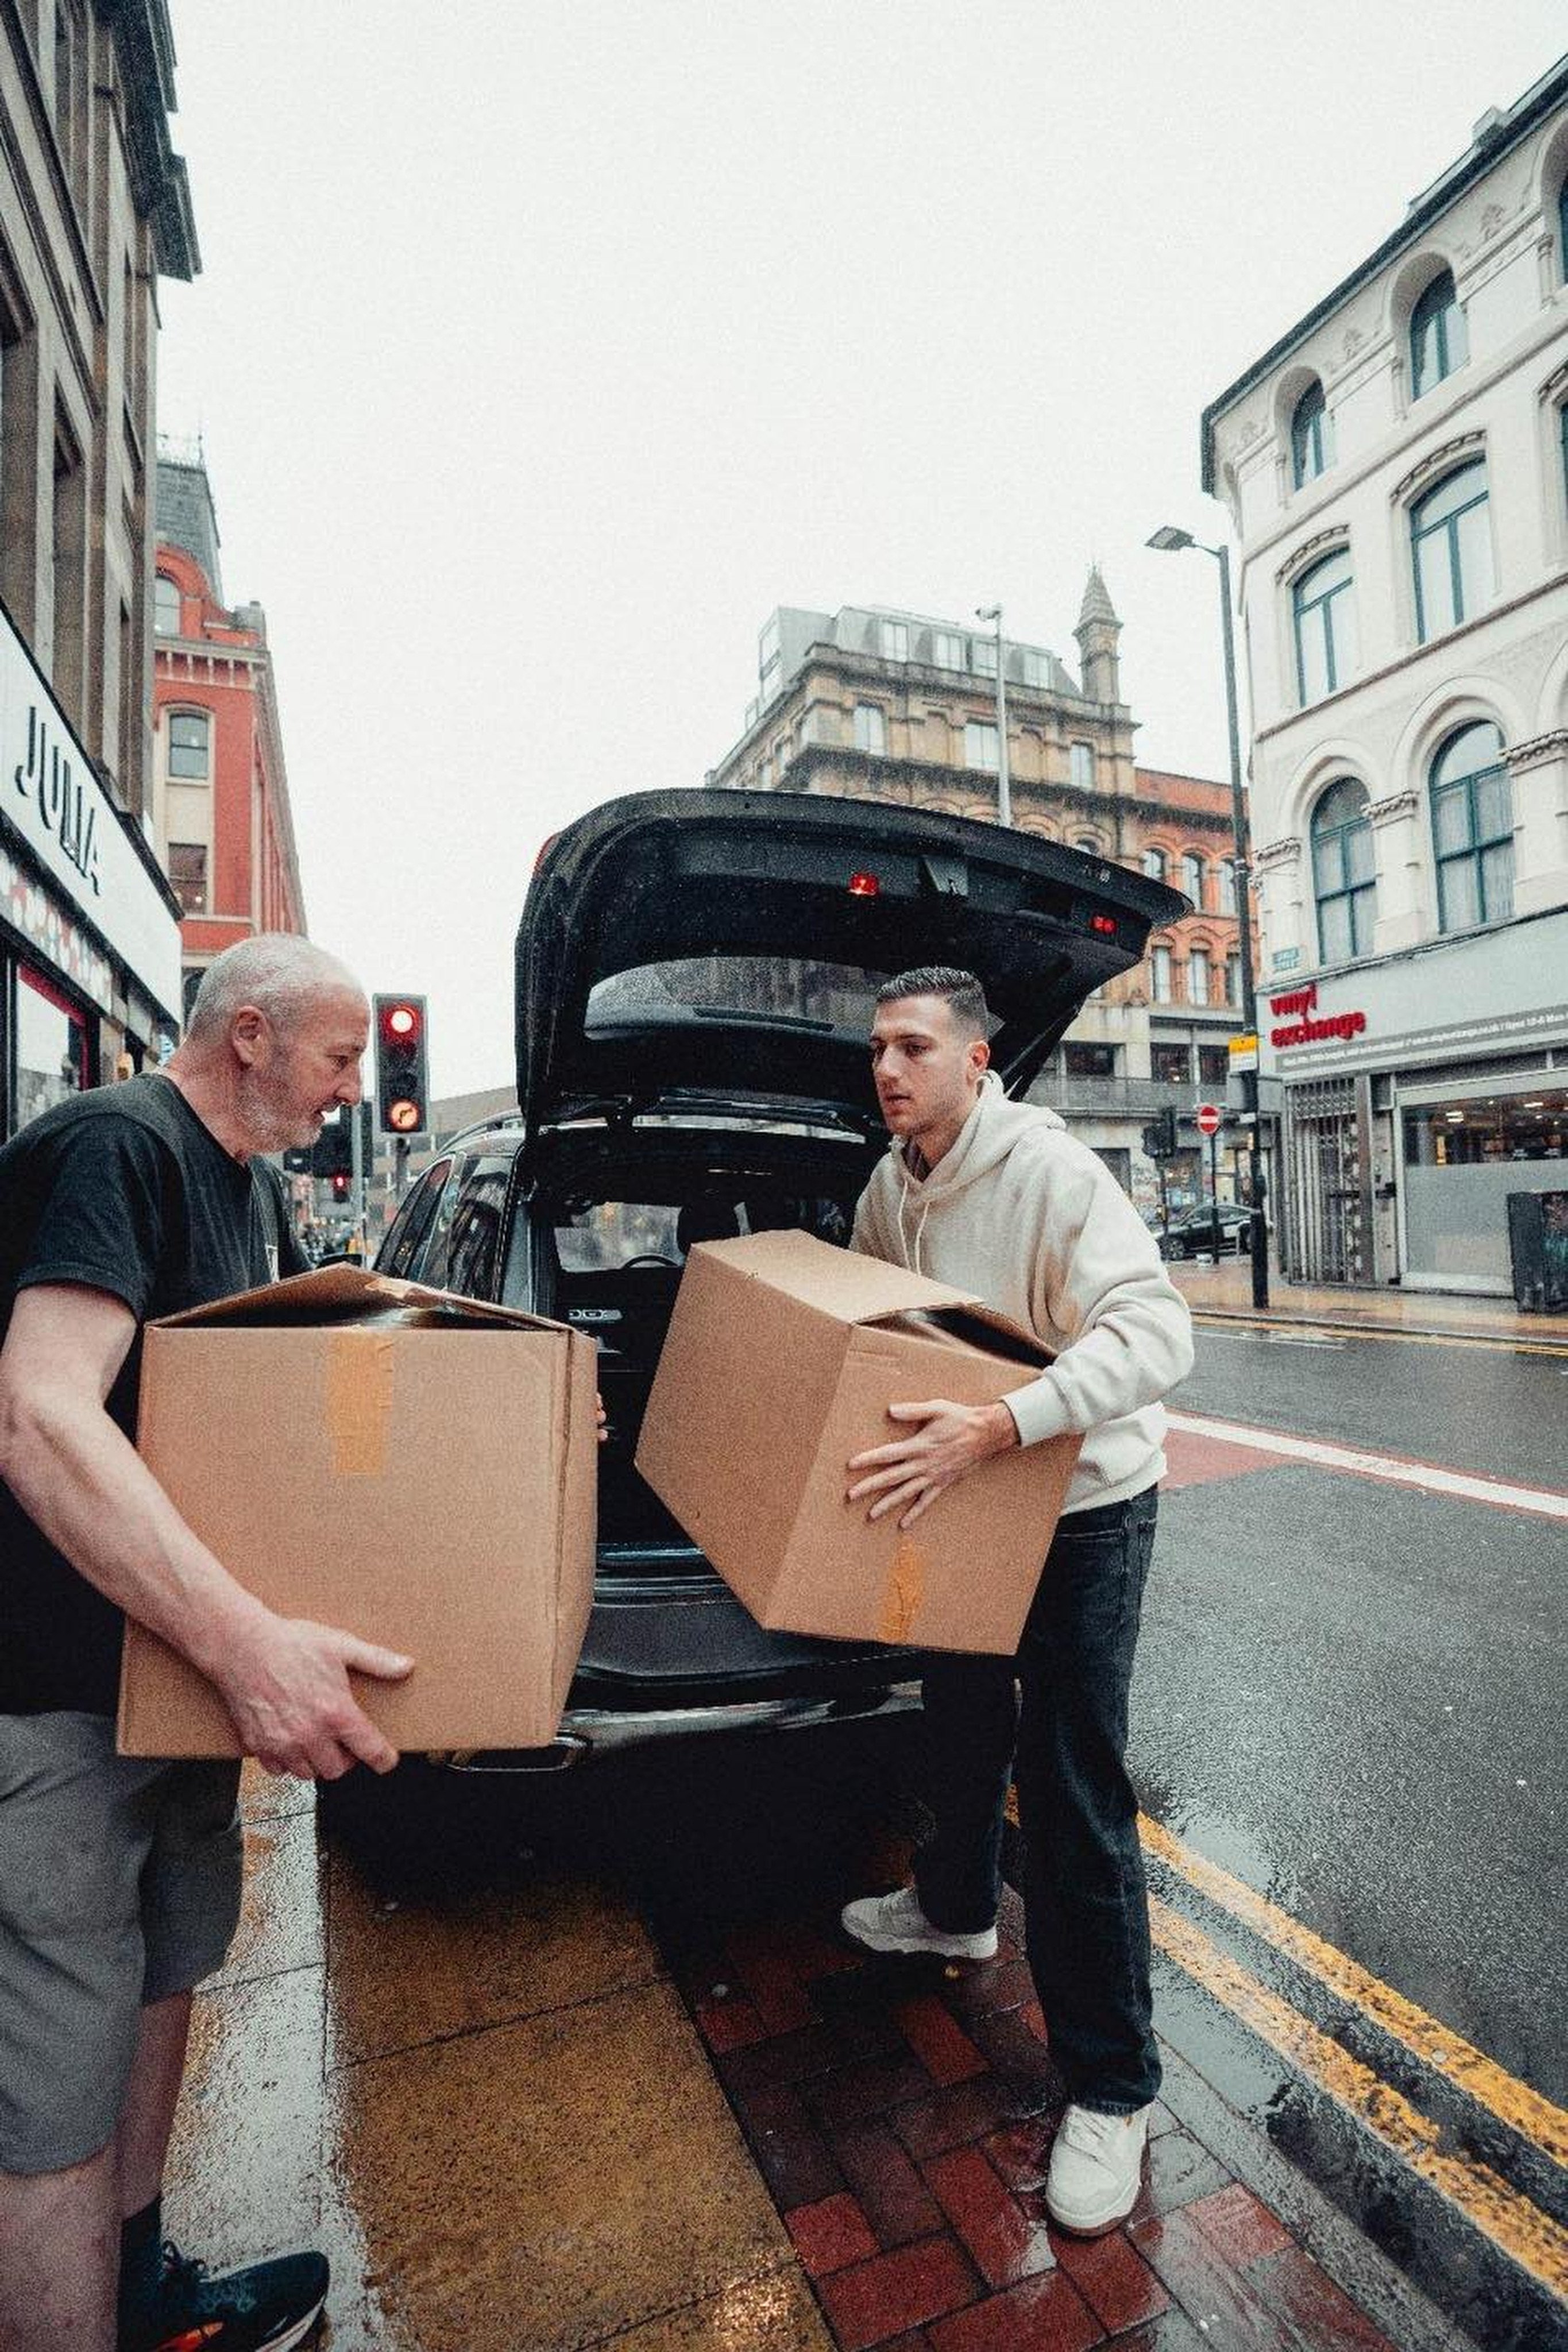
(1299, 1026)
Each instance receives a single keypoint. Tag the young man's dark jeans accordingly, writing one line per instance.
(1086, 1905)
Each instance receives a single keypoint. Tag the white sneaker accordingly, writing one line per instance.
(1097, 2169)
(895, 1923)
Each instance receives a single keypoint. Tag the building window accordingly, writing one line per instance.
(1090, 846)
(1472, 829)
(51, 1045)
(1309, 448)
(1438, 341)
(1082, 1061)
(1080, 766)
(870, 727)
(165, 606)
(1154, 865)
(982, 654)
(1563, 232)
(1192, 877)
(1160, 968)
(1171, 1065)
(947, 649)
(1197, 976)
(190, 744)
(189, 873)
(69, 567)
(982, 746)
(1322, 604)
(1233, 982)
(1214, 1065)
(1036, 668)
(893, 637)
(1450, 542)
(1344, 872)
(1227, 886)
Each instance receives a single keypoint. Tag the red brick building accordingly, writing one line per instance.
(220, 787)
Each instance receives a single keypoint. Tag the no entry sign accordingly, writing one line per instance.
(1209, 1118)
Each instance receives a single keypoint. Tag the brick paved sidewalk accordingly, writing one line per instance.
(901, 2114)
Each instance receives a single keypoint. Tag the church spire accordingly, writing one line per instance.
(1097, 633)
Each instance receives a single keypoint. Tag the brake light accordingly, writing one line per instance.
(1104, 924)
(864, 885)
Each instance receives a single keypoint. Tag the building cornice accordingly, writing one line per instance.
(1539, 752)
(1338, 534)
(1440, 460)
(1394, 806)
(1277, 854)
(879, 770)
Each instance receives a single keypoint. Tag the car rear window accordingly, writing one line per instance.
(841, 995)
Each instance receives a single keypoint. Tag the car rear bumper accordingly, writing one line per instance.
(587, 1732)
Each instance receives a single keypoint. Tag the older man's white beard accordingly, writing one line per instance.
(271, 1122)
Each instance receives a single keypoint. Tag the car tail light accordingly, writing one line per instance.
(1104, 924)
(864, 885)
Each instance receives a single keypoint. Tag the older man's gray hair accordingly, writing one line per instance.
(278, 972)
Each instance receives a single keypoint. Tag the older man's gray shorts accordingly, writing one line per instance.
(119, 1885)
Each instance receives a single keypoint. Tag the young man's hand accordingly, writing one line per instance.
(908, 1475)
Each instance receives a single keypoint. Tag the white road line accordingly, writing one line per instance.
(1543, 1501)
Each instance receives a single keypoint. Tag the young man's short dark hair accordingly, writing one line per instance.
(961, 989)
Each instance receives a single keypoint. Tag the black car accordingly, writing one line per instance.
(1191, 1234)
(695, 980)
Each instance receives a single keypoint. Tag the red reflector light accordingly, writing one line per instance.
(1104, 924)
(864, 885)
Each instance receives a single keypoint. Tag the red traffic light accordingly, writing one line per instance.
(401, 1080)
(400, 1019)
(341, 1182)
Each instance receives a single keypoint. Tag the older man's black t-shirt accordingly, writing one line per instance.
(122, 1189)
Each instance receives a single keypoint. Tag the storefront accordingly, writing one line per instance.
(89, 939)
(1420, 1090)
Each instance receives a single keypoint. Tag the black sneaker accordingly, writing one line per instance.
(268, 2308)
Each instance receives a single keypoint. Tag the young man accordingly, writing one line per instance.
(119, 1877)
(996, 1197)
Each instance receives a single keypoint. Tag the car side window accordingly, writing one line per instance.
(430, 1259)
(412, 1220)
(473, 1241)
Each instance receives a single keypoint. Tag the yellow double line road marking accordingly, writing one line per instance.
(1514, 2224)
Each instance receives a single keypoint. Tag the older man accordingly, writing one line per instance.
(119, 1877)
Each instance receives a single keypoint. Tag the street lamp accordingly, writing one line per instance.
(1004, 787)
(1171, 540)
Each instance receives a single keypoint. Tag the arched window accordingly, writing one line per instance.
(190, 745)
(1089, 848)
(1155, 864)
(1227, 886)
(1472, 828)
(1451, 547)
(1344, 874)
(1192, 877)
(1310, 444)
(1160, 971)
(1438, 341)
(1197, 976)
(1322, 604)
(165, 605)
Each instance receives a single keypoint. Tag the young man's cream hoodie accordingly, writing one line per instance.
(1029, 1221)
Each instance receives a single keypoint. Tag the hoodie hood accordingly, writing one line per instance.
(994, 1127)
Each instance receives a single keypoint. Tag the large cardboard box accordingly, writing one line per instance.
(782, 1360)
(417, 1467)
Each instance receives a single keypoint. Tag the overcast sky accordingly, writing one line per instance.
(540, 350)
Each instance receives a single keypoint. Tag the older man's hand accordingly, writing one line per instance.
(908, 1475)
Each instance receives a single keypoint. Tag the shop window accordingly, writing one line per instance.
(982, 747)
(1172, 1066)
(1472, 829)
(1462, 1157)
(870, 727)
(1344, 872)
(1438, 340)
(1322, 612)
(190, 745)
(1451, 547)
(1309, 446)
(1197, 977)
(1192, 878)
(1159, 973)
(165, 605)
(189, 873)
(51, 1046)
(1086, 1061)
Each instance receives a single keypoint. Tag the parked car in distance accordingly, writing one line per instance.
(695, 980)
(1191, 1234)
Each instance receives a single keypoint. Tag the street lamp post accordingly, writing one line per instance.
(1170, 541)
(1004, 784)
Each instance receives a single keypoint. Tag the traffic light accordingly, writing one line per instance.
(1160, 1139)
(402, 1087)
(341, 1181)
(332, 1154)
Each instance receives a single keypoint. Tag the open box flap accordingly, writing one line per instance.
(839, 1283)
(347, 1294)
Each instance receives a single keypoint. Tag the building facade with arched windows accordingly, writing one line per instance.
(890, 705)
(1395, 469)
(220, 789)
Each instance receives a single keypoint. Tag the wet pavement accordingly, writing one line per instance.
(584, 2061)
